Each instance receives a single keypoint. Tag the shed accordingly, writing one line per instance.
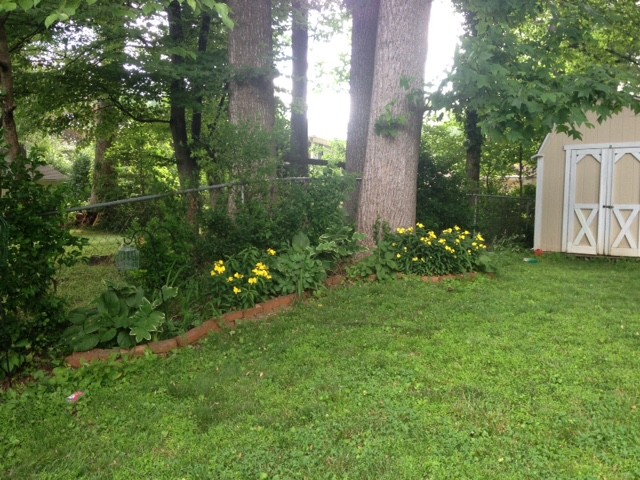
(588, 190)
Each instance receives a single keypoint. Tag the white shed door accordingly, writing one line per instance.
(603, 201)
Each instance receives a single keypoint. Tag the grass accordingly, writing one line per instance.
(80, 284)
(533, 374)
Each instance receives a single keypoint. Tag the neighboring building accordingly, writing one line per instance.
(51, 176)
(588, 190)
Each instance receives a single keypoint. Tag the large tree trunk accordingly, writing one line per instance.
(299, 153)
(251, 96)
(474, 141)
(9, 128)
(364, 15)
(388, 191)
(188, 171)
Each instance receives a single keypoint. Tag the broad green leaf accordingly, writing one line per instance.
(86, 342)
(108, 335)
(125, 340)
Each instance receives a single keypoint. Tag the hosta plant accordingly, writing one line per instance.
(121, 316)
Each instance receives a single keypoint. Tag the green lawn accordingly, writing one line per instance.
(533, 374)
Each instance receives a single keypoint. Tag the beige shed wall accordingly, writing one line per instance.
(622, 128)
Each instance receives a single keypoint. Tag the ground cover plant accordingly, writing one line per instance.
(531, 374)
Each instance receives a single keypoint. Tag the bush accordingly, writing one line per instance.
(33, 243)
(420, 251)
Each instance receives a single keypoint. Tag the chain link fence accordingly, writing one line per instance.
(503, 217)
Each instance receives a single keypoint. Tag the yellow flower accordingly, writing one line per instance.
(442, 241)
(456, 228)
(252, 281)
(230, 279)
(236, 290)
(238, 275)
(415, 259)
(271, 251)
(479, 237)
(448, 230)
(220, 269)
(401, 231)
(419, 225)
(467, 232)
(432, 234)
(410, 230)
(404, 249)
(398, 255)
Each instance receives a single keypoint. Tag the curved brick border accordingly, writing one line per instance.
(228, 320)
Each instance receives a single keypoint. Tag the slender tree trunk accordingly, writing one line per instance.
(196, 119)
(105, 176)
(388, 191)
(520, 169)
(299, 153)
(474, 142)
(188, 171)
(251, 95)
(363, 47)
(9, 128)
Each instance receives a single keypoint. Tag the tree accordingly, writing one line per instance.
(535, 66)
(299, 151)
(10, 131)
(364, 28)
(388, 191)
(251, 96)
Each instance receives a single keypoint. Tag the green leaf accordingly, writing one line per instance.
(108, 335)
(109, 304)
(125, 340)
(86, 342)
(51, 19)
(26, 4)
(300, 241)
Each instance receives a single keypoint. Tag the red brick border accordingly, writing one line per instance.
(228, 320)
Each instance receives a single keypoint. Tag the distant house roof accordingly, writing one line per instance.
(51, 176)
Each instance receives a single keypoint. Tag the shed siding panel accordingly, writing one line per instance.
(622, 128)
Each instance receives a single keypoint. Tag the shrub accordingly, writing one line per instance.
(421, 251)
(33, 244)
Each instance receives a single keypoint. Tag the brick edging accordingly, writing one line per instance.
(227, 320)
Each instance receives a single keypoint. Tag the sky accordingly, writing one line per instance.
(329, 102)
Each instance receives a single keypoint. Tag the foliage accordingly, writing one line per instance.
(242, 280)
(32, 246)
(80, 178)
(420, 251)
(442, 185)
(121, 316)
(445, 370)
(298, 267)
(527, 68)
(312, 207)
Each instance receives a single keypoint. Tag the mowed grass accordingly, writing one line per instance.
(80, 284)
(533, 374)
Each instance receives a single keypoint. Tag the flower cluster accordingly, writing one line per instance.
(423, 252)
(243, 280)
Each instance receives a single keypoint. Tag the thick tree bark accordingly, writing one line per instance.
(363, 47)
(474, 141)
(299, 153)
(251, 95)
(188, 171)
(8, 99)
(388, 191)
